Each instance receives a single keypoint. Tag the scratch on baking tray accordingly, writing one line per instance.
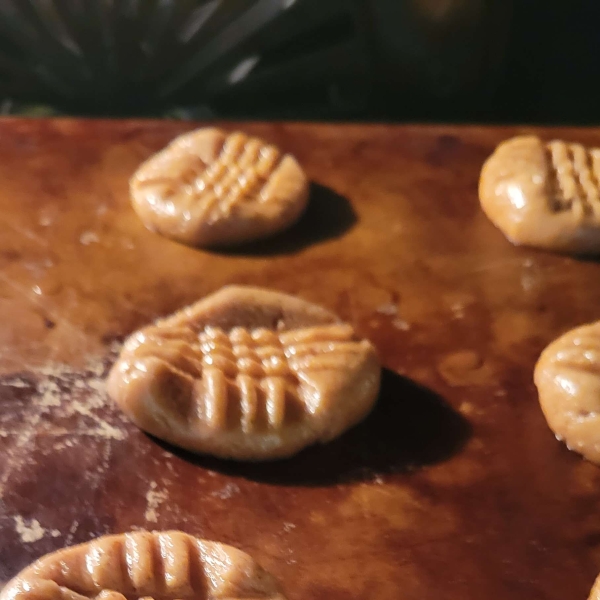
(25, 232)
(31, 531)
(154, 499)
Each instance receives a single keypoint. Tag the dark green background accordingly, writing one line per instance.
(466, 60)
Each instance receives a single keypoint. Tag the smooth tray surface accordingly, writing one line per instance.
(453, 488)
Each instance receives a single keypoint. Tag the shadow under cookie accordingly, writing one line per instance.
(327, 216)
(409, 427)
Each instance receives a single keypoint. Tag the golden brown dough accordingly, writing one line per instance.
(567, 376)
(248, 374)
(209, 188)
(163, 566)
(595, 593)
(544, 195)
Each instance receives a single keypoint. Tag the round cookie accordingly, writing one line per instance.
(248, 374)
(167, 565)
(209, 188)
(544, 195)
(567, 376)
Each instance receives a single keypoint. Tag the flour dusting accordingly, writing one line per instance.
(17, 382)
(89, 237)
(154, 498)
(29, 531)
(64, 405)
(458, 310)
(48, 393)
(387, 309)
(401, 324)
(71, 394)
(227, 492)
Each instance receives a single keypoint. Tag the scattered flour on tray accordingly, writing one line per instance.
(154, 498)
(387, 309)
(231, 489)
(31, 531)
(79, 394)
(17, 382)
(60, 407)
(65, 405)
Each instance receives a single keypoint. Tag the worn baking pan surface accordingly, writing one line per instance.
(453, 488)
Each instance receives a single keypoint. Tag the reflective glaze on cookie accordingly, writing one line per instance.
(567, 376)
(161, 566)
(248, 374)
(209, 188)
(544, 194)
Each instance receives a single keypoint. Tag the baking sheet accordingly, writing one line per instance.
(453, 488)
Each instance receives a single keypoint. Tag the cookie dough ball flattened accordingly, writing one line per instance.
(544, 195)
(162, 566)
(209, 188)
(247, 374)
(595, 593)
(567, 376)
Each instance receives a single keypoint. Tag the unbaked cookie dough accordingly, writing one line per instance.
(567, 377)
(161, 565)
(209, 188)
(545, 195)
(248, 374)
(595, 593)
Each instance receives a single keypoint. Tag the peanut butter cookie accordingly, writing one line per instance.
(209, 188)
(545, 195)
(166, 566)
(248, 374)
(595, 593)
(567, 376)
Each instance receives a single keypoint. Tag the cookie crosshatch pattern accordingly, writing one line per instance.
(159, 565)
(264, 388)
(545, 195)
(210, 188)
